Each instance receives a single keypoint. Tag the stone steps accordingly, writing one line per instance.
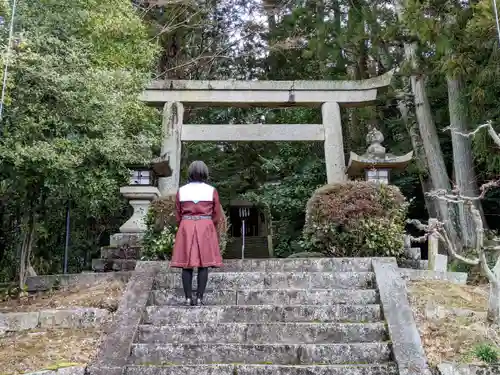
(287, 354)
(290, 265)
(253, 245)
(113, 265)
(267, 317)
(109, 262)
(113, 252)
(241, 369)
(161, 315)
(261, 333)
(277, 280)
(289, 297)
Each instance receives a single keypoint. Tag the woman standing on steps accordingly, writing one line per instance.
(198, 212)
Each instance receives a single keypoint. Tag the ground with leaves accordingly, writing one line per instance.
(47, 349)
(452, 322)
(100, 295)
(52, 348)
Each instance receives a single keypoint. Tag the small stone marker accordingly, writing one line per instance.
(441, 264)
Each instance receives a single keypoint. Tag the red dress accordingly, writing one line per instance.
(197, 242)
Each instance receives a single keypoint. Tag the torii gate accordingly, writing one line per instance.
(329, 95)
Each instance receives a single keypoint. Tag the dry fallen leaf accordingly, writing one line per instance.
(34, 350)
(451, 319)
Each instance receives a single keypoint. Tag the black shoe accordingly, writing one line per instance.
(199, 302)
(189, 302)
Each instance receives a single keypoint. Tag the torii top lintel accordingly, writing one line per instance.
(266, 93)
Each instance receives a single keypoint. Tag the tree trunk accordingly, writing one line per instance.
(465, 176)
(421, 159)
(357, 70)
(272, 67)
(26, 247)
(430, 140)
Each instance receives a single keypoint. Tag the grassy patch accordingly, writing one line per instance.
(452, 322)
(104, 295)
(47, 349)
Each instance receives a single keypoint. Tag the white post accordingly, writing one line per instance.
(334, 143)
(173, 115)
(243, 229)
(433, 246)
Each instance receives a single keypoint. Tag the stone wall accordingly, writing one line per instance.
(47, 282)
(75, 318)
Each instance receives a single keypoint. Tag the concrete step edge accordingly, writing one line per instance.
(273, 273)
(266, 306)
(277, 280)
(263, 313)
(293, 264)
(295, 297)
(291, 354)
(244, 369)
(277, 345)
(303, 324)
(262, 333)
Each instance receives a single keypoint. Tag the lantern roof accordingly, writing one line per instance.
(159, 165)
(376, 156)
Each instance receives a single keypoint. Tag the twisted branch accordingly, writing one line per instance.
(437, 228)
(488, 125)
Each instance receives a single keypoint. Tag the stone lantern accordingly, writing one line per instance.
(375, 164)
(125, 247)
(141, 190)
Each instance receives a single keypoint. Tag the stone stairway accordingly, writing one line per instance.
(267, 316)
(255, 247)
(117, 259)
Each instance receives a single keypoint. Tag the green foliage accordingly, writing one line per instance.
(487, 353)
(72, 122)
(159, 239)
(72, 119)
(356, 219)
(158, 245)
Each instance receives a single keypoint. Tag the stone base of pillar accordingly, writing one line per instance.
(139, 198)
(126, 240)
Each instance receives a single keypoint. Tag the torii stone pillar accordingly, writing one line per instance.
(334, 143)
(173, 115)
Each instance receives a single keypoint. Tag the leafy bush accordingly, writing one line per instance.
(159, 239)
(355, 218)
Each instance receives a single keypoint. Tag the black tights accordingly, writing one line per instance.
(187, 282)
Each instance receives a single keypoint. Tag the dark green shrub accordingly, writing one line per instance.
(159, 239)
(355, 219)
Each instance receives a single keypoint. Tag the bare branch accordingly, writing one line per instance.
(421, 239)
(456, 197)
(489, 126)
(439, 230)
(418, 224)
(443, 237)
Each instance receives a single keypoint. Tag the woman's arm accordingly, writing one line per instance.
(217, 211)
(178, 213)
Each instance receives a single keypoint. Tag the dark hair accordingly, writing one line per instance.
(198, 171)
